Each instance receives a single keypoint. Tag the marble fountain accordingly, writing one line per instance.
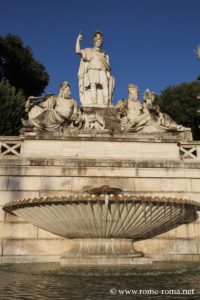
(105, 176)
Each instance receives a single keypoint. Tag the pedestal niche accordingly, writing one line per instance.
(104, 223)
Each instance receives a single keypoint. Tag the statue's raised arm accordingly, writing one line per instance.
(78, 46)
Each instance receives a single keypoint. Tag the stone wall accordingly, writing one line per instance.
(39, 168)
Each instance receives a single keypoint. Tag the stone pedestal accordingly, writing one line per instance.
(103, 252)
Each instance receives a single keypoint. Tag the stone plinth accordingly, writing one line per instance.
(98, 145)
(103, 252)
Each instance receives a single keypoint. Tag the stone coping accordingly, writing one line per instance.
(100, 136)
(88, 198)
(11, 138)
(14, 161)
(168, 137)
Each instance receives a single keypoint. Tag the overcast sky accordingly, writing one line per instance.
(150, 42)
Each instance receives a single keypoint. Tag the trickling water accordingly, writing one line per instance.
(49, 281)
(106, 199)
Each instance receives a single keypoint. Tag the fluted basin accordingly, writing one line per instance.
(104, 216)
(103, 223)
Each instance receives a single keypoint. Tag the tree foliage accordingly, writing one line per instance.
(19, 67)
(181, 103)
(12, 108)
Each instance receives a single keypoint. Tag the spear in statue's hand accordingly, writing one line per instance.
(198, 51)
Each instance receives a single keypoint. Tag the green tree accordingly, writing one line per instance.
(11, 108)
(181, 103)
(18, 65)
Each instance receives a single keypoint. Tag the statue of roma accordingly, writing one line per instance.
(96, 84)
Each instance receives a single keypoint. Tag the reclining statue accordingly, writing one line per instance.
(51, 113)
(135, 115)
(131, 112)
(158, 118)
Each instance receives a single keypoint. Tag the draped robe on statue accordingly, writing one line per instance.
(94, 68)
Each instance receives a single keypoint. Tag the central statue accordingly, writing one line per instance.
(96, 84)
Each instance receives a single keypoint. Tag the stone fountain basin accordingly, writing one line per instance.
(103, 216)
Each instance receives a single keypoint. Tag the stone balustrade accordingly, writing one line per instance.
(10, 146)
(189, 150)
